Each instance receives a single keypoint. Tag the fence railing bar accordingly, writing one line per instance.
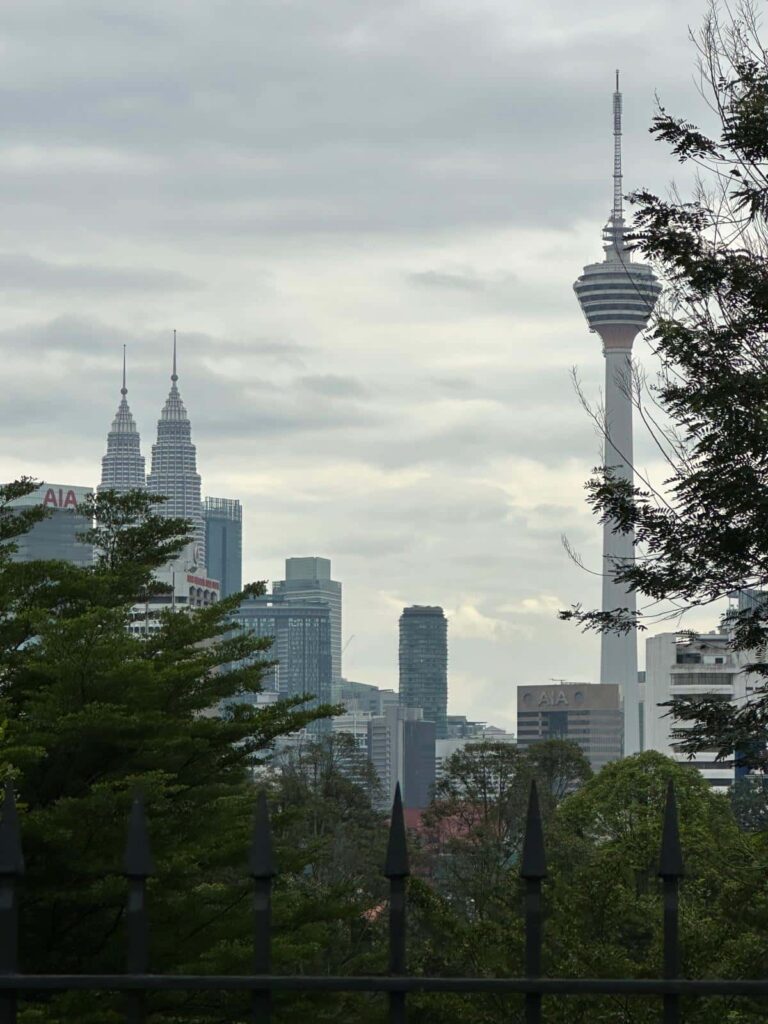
(671, 871)
(262, 870)
(137, 867)
(396, 869)
(382, 983)
(11, 870)
(533, 868)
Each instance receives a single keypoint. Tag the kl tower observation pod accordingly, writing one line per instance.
(617, 297)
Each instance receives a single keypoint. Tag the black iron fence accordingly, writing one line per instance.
(137, 981)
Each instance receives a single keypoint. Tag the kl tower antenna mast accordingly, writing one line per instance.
(617, 298)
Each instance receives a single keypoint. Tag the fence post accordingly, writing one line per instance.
(533, 868)
(11, 869)
(262, 871)
(670, 872)
(137, 867)
(396, 869)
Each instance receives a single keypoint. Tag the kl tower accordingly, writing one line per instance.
(617, 298)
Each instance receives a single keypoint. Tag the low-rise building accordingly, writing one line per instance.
(588, 713)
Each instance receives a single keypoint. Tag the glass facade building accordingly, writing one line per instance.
(424, 663)
(55, 537)
(224, 543)
(301, 646)
(310, 579)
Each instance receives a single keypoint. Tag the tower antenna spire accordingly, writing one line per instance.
(617, 216)
(174, 375)
(124, 389)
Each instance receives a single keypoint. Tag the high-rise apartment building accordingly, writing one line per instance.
(122, 466)
(587, 713)
(401, 747)
(302, 643)
(310, 578)
(174, 473)
(56, 536)
(684, 666)
(224, 543)
(617, 298)
(424, 663)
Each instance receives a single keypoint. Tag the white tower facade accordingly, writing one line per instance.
(617, 298)
(122, 466)
(174, 472)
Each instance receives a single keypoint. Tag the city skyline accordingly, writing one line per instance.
(375, 312)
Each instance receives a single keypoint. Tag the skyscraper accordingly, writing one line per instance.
(174, 471)
(617, 298)
(302, 644)
(224, 542)
(424, 663)
(122, 467)
(57, 536)
(310, 578)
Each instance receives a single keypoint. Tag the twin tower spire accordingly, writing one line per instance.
(174, 463)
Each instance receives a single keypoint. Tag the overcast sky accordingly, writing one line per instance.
(364, 219)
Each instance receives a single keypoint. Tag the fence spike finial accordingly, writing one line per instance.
(261, 862)
(11, 855)
(396, 862)
(671, 857)
(533, 863)
(137, 859)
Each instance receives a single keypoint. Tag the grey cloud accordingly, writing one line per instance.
(455, 280)
(19, 271)
(83, 335)
(334, 386)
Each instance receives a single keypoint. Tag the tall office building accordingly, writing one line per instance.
(617, 298)
(302, 643)
(401, 747)
(122, 467)
(685, 666)
(424, 663)
(587, 713)
(310, 578)
(56, 536)
(174, 471)
(224, 542)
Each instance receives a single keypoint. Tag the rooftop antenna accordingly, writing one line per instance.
(174, 375)
(618, 201)
(123, 389)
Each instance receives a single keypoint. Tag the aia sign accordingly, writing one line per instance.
(60, 498)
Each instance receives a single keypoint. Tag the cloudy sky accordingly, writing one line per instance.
(364, 219)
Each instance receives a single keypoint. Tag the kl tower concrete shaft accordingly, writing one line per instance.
(617, 298)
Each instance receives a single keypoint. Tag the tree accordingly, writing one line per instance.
(605, 898)
(604, 905)
(749, 803)
(95, 714)
(702, 533)
(475, 823)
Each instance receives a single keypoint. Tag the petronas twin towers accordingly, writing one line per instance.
(174, 464)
